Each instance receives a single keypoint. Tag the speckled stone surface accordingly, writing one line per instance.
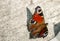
(13, 17)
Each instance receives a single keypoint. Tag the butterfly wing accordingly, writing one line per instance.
(29, 16)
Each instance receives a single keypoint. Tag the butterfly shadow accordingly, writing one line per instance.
(57, 28)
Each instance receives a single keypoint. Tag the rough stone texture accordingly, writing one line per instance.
(13, 17)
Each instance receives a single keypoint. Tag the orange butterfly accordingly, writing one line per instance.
(37, 25)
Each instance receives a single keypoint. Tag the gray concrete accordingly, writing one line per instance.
(13, 19)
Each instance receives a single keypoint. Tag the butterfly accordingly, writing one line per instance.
(36, 23)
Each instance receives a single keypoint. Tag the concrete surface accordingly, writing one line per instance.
(13, 17)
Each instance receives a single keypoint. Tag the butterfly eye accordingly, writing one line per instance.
(39, 10)
(33, 22)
